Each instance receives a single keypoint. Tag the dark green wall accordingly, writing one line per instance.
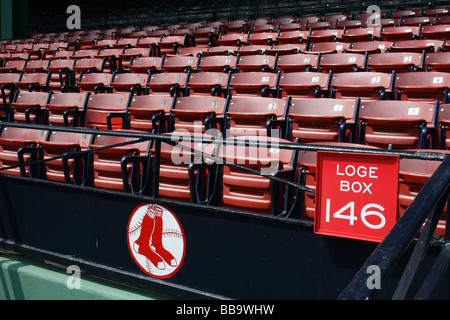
(14, 19)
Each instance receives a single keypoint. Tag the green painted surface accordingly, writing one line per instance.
(25, 279)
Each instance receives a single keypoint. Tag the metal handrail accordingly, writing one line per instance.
(427, 206)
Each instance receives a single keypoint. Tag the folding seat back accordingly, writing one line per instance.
(53, 149)
(191, 113)
(168, 83)
(13, 66)
(265, 38)
(100, 106)
(219, 63)
(361, 34)
(297, 62)
(443, 123)
(437, 32)
(437, 61)
(401, 124)
(418, 21)
(417, 46)
(304, 84)
(143, 108)
(208, 83)
(129, 82)
(253, 49)
(328, 47)
(325, 35)
(224, 50)
(369, 47)
(395, 61)
(27, 106)
(233, 39)
(255, 63)
(148, 42)
(342, 62)
(400, 33)
(292, 36)
(234, 26)
(106, 166)
(36, 66)
(104, 43)
(180, 64)
(146, 64)
(243, 190)
(253, 84)
(256, 116)
(89, 65)
(90, 82)
(365, 85)
(34, 81)
(125, 43)
(11, 140)
(423, 86)
(286, 49)
(62, 73)
(321, 120)
(85, 54)
(60, 103)
(8, 87)
(174, 181)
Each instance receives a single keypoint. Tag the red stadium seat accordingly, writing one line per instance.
(398, 61)
(168, 83)
(304, 84)
(253, 84)
(256, 116)
(297, 62)
(255, 63)
(219, 63)
(62, 102)
(423, 86)
(437, 61)
(402, 124)
(321, 120)
(342, 62)
(28, 106)
(142, 108)
(208, 83)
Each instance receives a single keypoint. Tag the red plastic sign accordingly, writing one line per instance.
(356, 195)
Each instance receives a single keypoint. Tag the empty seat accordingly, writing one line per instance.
(256, 116)
(443, 123)
(437, 32)
(57, 144)
(395, 61)
(36, 66)
(13, 66)
(60, 103)
(361, 34)
(328, 47)
(304, 84)
(191, 113)
(219, 63)
(342, 62)
(417, 45)
(170, 44)
(173, 170)
(255, 63)
(233, 39)
(8, 87)
(325, 35)
(100, 109)
(89, 65)
(400, 33)
(128, 82)
(437, 61)
(28, 106)
(107, 167)
(245, 190)
(402, 124)
(321, 120)
(297, 62)
(130, 53)
(34, 81)
(90, 82)
(365, 85)
(285, 49)
(11, 140)
(208, 83)
(369, 47)
(146, 64)
(264, 38)
(168, 83)
(180, 64)
(62, 73)
(253, 84)
(292, 36)
(142, 109)
(423, 86)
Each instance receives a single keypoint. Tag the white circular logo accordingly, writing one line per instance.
(156, 240)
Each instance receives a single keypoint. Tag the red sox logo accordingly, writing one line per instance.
(156, 240)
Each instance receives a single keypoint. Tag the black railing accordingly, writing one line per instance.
(426, 208)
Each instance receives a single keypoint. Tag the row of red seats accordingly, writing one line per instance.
(388, 123)
(127, 168)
